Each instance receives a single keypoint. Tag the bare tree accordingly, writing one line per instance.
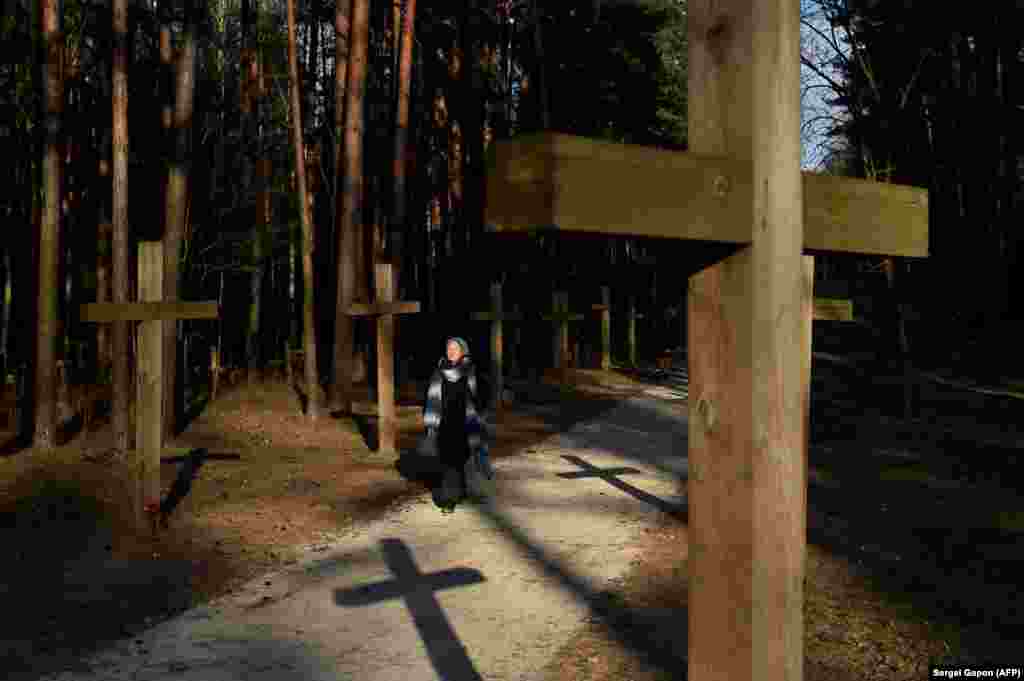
(542, 89)
(350, 198)
(119, 220)
(248, 82)
(177, 199)
(49, 230)
(402, 130)
(306, 217)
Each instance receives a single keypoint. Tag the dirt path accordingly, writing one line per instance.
(80, 578)
(876, 522)
(489, 592)
(915, 543)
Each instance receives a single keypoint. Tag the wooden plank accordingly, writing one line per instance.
(517, 338)
(382, 308)
(859, 216)
(747, 319)
(497, 348)
(568, 182)
(574, 183)
(606, 327)
(631, 317)
(387, 425)
(149, 384)
(363, 408)
(561, 316)
(147, 311)
(833, 309)
(489, 316)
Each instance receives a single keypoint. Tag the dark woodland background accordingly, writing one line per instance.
(925, 94)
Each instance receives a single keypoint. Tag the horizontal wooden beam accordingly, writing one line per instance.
(833, 309)
(147, 311)
(363, 408)
(372, 309)
(503, 317)
(551, 180)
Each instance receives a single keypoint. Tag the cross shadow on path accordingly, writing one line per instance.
(447, 654)
(610, 475)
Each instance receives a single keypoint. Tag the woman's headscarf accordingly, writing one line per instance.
(461, 342)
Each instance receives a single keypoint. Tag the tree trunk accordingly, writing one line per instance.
(350, 201)
(175, 210)
(119, 220)
(542, 89)
(396, 42)
(49, 231)
(899, 330)
(6, 300)
(399, 218)
(456, 145)
(248, 81)
(313, 48)
(264, 176)
(471, 115)
(308, 327)
(345, 283)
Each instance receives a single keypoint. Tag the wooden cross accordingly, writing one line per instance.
(831, 303)
(610, 475)
(496, 317)
(561, 317)
(605, 308)
(631, 316)
(749, 315)
(446, 652)
(385, 308)
(150, 312)
(833, 310)
(517, 343)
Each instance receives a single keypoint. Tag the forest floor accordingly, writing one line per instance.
(915, 527)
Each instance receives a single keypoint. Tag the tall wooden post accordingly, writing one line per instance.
(384, 285)
(560, 304)
(496, 317)
(605, 309)
(149, 378)
(749, 319)
(151, 312)
(516, 345)
(497, 348)
(631, 317)
(385, 307)
(560, 317)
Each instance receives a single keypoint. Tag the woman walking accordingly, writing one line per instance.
(452, 420)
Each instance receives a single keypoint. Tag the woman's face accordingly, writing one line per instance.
(454, 352)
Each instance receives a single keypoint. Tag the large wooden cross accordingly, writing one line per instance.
(496, 316)
(633, 274)
(151, 313)
(384, 309)
(631, 316)
(560, 317)
(749, 315)
(604, 308)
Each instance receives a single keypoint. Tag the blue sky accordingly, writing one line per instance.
(813, 95)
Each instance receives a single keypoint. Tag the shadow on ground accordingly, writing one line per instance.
(950, 565)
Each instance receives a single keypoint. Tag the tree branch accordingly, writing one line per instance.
(835, 86)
